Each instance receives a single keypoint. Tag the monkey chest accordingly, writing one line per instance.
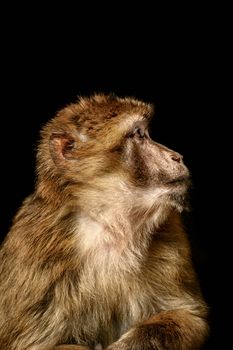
(108, 309)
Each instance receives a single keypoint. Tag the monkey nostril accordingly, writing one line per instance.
(176, 157)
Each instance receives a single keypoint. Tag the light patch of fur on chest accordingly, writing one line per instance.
(105, 246)
(104, 234)
(90, 234)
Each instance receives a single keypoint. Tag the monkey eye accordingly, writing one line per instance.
(139, 133)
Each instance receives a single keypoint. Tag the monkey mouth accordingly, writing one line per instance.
(180, 180)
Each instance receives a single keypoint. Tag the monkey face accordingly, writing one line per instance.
(155, 168)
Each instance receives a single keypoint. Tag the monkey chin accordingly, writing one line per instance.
(178, 196)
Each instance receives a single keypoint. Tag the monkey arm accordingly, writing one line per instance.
(175, 330)
(181, 323)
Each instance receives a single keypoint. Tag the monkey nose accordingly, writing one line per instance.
(177, 157)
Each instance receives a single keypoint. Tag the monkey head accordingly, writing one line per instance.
(101, 146)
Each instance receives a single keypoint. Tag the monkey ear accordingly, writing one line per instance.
(61, 146)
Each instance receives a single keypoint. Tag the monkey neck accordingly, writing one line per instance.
(106, 218)
(55, 192)
(120, 229)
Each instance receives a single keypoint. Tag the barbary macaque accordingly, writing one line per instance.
(97, 257)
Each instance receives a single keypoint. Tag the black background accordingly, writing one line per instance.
(173, 65)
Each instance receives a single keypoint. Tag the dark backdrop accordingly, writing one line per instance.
(38, 79)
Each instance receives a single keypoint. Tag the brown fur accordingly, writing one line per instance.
(97, 254)
(70, 347)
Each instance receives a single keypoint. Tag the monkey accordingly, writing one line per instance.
(98, 257)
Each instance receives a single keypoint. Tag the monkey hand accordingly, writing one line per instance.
(176, 329)
(136, 339)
